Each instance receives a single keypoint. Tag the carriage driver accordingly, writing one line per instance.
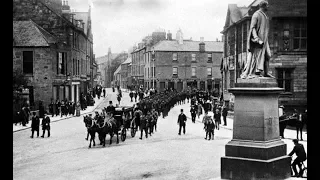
(110, 109)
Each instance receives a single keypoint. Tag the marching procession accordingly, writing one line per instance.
(143, 116)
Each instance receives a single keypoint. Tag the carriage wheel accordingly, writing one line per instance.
(123, 134)
(133, 132)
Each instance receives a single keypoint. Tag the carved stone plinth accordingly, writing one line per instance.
(256, 150)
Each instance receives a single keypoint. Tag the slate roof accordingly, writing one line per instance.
(235, 14)
(127, 61)
(118, 70)
(168, 45)
(29, 34)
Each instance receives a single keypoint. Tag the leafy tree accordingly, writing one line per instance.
(18, 82)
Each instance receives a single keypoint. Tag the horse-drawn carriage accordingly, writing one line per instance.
(112, 125)
(124, 117)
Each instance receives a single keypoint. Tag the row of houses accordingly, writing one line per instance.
(53, 48)
(161, 62)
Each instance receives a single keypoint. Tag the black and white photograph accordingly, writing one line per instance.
(159, 89)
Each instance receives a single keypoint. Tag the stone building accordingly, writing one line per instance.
(72, 62)
(180, 63)
(138, 66)
(139, 56)
(288, 44)
(125, 73)
(34, 49)
(117, 77)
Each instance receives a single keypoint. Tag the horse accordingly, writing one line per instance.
(92, 128)
(109, 127)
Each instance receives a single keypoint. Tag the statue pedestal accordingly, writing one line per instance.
(256, 150)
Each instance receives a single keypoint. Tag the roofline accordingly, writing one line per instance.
(236, 23)
(40, 28)
(65, 19)
(179, 51)
(138, 50)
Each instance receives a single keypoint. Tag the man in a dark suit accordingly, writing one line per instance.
(110, 109)
(182, 122)
(143, 126)
(46, 124)
(193, 112)
(35, 122)
(224, 114)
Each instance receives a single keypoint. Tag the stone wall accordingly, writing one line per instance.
(299, 63)
(287, 8)
(42, 77)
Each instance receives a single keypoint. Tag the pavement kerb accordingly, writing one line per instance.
(64, 118)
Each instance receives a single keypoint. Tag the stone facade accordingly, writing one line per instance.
(288, 44)
(138, 62)
(42, 77)
(164, 70)
(125, 73)
(73, 37)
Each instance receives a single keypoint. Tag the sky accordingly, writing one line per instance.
(120, 24)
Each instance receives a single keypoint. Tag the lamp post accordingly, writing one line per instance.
(65, 82)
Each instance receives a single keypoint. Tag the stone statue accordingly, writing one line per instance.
(259, 54)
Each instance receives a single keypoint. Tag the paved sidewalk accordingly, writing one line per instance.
(89, 109)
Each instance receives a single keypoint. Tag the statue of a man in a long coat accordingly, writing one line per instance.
(258, 47)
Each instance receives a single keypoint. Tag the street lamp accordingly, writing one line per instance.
(66, 81)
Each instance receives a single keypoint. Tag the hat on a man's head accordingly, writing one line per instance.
(110, 102)
(295, 140)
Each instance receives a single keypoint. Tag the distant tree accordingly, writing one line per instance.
(19, 81)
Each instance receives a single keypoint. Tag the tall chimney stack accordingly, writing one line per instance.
(169, 36)
(202, 45)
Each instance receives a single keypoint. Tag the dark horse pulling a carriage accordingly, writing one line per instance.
(120, 122)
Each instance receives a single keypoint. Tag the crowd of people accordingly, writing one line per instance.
(63, 108)
(200, 101)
